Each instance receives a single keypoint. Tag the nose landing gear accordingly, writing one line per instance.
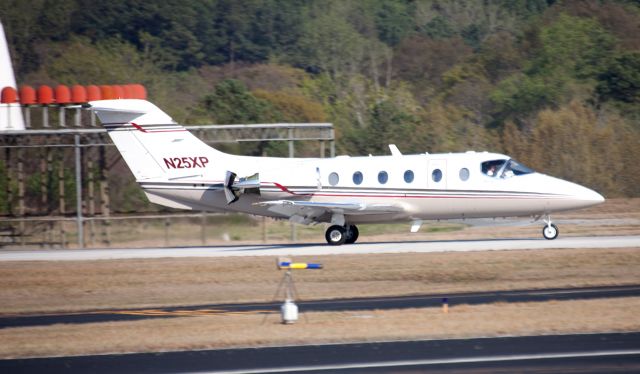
(338, 235)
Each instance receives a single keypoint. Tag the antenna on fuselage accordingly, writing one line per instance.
(394, 150)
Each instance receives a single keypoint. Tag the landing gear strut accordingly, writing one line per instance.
(338, 235)
(550, 231)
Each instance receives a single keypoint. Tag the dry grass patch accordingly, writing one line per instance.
(66, 286)
(222, 331)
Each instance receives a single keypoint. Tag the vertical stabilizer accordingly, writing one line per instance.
(10, 114)
(151, 143)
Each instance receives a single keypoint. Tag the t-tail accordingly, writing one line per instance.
(152, 144)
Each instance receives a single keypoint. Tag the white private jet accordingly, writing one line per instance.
(176, 169)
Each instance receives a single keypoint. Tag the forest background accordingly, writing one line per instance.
(555, 84)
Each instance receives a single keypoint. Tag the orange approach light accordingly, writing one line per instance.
(45, 95)
(93, 93)
(78, 94)
(106, 92)
(139, 92)
(118, 92)
(9, 95)
(27, 95)
(63, 94)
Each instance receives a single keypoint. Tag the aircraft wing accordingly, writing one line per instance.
(308, 211)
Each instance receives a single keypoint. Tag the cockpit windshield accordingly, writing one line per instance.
(504, 168)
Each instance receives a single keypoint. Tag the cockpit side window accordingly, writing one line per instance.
(492, 168)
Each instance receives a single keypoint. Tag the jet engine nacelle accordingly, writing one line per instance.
(234, 187)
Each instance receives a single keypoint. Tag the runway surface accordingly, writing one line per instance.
(381, 303)
(588, 353)
(323, 249)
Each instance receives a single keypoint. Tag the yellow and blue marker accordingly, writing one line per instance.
(287, 265)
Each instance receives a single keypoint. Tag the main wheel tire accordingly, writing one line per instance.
(550, 232)
(352, 234)
(336, 235)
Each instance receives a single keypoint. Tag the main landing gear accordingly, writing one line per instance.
(338, 235)
(549, 231)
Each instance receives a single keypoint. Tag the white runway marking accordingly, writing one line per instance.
(323, 249)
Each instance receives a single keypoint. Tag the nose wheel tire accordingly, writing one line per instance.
(550, 232)
(352, 234)
(336, 235)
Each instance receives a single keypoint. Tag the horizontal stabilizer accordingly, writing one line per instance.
(119, 111)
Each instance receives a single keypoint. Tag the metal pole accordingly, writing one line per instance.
(45, 116)
(77, 117)
(62, 117)
(9, 117)
(290, 136)
(61, 198)
(9, 190)
(166, 231)
(203, 227)
(92, 197)
(79, 193)
(332, 144)
(294, 235)
(21, 206)
(27, 116)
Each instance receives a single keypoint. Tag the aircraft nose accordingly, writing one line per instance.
(575, 195)
(588, 196)
(596, 197)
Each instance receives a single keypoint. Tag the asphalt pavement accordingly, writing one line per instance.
(592, 242)
(585, 353)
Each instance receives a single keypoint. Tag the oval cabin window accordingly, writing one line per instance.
(383, 177)
(333, 179)
(408, 176)
(464, 174)
(436, 175)
(357, 177)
